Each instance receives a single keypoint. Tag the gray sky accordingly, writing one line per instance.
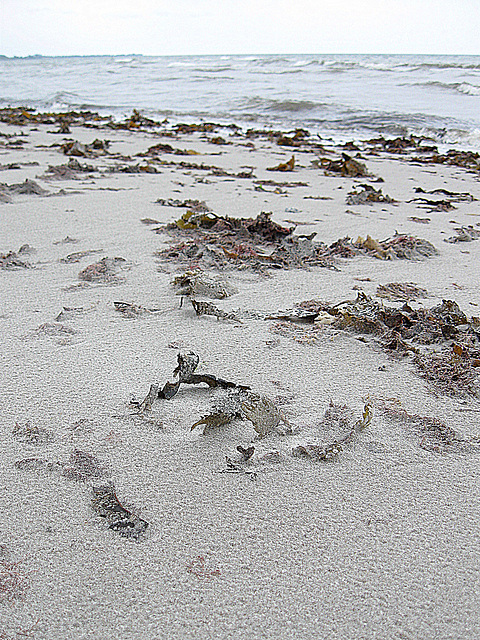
(180, 27)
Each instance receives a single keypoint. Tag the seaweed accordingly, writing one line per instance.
(284, 166)
(401, 291)
(14, 260)
(106, 504)
(206, 308)
(407, 331)
(105, 271)
(199, 283)
(337, 417)
(28, 187)
(365, 194)
(469, 160)
(265, 415)
(347, 167)
(31, 434)
(185, 369)
(435, 435)
(464, 234)
(197, 206)
(81, 466)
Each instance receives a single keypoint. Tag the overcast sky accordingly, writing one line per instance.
(180, 27)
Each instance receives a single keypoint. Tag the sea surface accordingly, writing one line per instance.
(344, 97)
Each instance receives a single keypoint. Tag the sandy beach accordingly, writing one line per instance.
(357, 514)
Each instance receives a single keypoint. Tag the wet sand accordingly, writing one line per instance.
(381, 542)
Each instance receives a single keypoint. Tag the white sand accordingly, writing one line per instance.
(382, 543)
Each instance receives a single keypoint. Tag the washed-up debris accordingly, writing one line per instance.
(28, 187)
(450, 373)
(464, 234)
(130, 310)
(284, 166)
(365, 194)
(275, 183)
(133, 168)
(435, 435)
(12, 260)
(400, 145)
(347, 167)
(265, 415)
(67, 240)
(298, 315)
(187, 364)
(82, 466)
(420, 220)
(212, 421)
(106, 271)
(466, 159)
(245, 452)
(159, 148)
(336, 417)
(401, 291)
(197, 206)
(225, 407)
(93, 150)
(199, 283)
(433, 206)
(235, 467)
(106, 504)
(221, 241)
(79, 255)
(32, 434)
(453, 196)
(203, 308)
(68, 171)
(405, 331)
(401, 246)
(21, 116)
(135, 122)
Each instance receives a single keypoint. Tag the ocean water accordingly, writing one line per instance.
(343, 97)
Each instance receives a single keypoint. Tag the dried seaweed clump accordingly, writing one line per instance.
(106, 504)
(31, 434)
(198, 283)
(366, 194)
(225, 407)
(265, 415)
(401, 291)
(464, 234)
(404, 331)
(347, 167)
(467, 159)
(106, 271)
(207, 240)
(449, 373)
(337, 419)
(435, 435)
(401, 246)
(13, 261)
(185, 369)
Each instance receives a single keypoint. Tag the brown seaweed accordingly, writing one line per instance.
(284, 166)
(106, 504)
(366, 194)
